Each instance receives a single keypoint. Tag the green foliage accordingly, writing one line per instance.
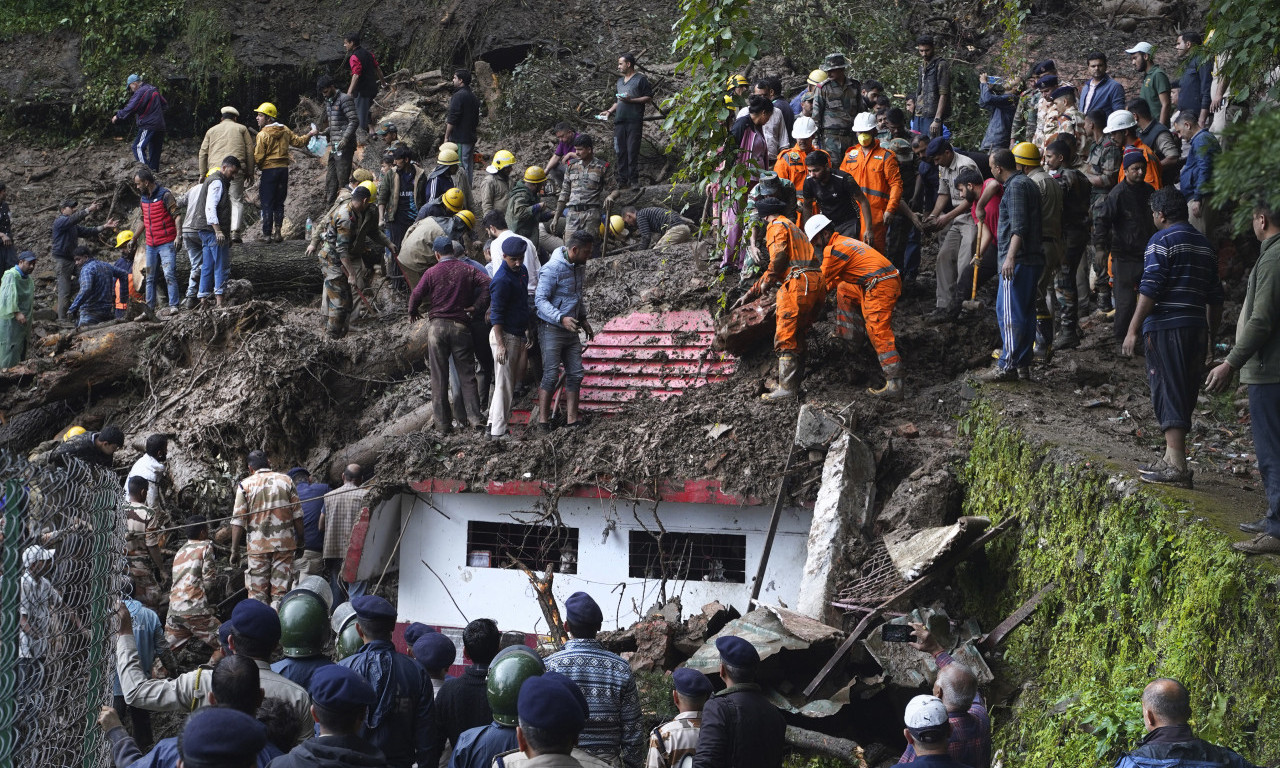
(119, 36)
(1142, 591)
(1007, 21)
(1247, 35)
(1246, 170)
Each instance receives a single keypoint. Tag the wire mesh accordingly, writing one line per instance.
(872, 581)
(61, 570)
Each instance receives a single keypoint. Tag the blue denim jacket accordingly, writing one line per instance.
(1000, 126)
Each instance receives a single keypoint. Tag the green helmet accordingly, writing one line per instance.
(507, 672)
(343, 623)
(304, 620)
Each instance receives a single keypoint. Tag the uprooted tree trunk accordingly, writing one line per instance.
(273, 268)
(366, 451)
(844, 750)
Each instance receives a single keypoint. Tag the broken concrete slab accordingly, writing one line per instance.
(815, 428)
(914, 553)
(929, 497)
(655, 645)
(842, 509)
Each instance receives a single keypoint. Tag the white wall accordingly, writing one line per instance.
(439, 537)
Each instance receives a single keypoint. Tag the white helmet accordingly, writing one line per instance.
(804, 127)
(865, 122)
(814, 225)
(1120, 120)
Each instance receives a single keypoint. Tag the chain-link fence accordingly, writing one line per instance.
(61, 569)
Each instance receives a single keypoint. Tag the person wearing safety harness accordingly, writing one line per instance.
(673, 744)
(796, 269)
(863, 278)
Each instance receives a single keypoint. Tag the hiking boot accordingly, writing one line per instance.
(1262, 544)
(276, 236)
(788, 380)
(1259, 526)
(1024, 372)
(892, 390)
(942, 315)
(995, 373)
(1168, 475)
(1069, 338)
(1104, 302)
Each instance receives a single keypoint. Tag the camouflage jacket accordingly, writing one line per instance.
(141, 534)
(584, 183)
(339, 233)
(192, 577)
(1104, 160)
(671, 742)
(267, 505)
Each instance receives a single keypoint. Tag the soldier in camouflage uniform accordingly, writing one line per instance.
(267, 505)
(142, 545)
(835, 103)
(1103, 171)
(583, 191)
(1026, 115)
(193, 575)
(339, 262)
(672, 742)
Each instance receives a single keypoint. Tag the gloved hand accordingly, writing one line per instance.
(546, 215)
(220, 237)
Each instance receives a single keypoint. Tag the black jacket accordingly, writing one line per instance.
(461, 704)
(464, 116)
(80, 447)
(1124, 224)
(740, 729)
(332, 752)
(67, 233)
(1175, 746)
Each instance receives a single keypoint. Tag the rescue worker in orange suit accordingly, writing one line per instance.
(876, 171)
(797, 271)
(863, 278)
(791, 161)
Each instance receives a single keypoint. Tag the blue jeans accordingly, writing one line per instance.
(1016, 315)
(195, 255)
(158, 256)
(1264, 413)
(466, 157)
(560, 345)
(215, 262)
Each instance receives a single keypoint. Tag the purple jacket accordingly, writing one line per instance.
(148, 105)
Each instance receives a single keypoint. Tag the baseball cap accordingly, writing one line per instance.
(925, 713)
(1146, 48)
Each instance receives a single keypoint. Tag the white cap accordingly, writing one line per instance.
(1120, 120)
(925, 712)
(865, 122)
(815, 224)
(804, 127)
(34, 554)
(1146, 48)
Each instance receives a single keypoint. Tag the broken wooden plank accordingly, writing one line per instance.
(845, 750)
(1002, 630)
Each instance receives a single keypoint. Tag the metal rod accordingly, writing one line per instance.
(773, 524)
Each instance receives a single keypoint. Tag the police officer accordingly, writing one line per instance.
(435, 653)
(672, 742)
(339, 702)
(222, 738)
(552, 712)
(255, 632)
(477, 747)
(304, 634)
(461, 703)
(400, 723)
(583, 192)
(740, 727)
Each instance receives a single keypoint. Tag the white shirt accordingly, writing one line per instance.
(148, 468)
(211, 203)
(530, 258)
(37, 602)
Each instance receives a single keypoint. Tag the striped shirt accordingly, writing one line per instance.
(613, 702)
(1181, 274)
(674, 741)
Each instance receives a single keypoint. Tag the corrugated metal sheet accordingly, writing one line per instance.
(662, 354)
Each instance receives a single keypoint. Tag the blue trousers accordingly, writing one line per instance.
(1264, 415)
(273, 188)
(1016, 315)
(162, 257)
(147, 146)
(214, 265)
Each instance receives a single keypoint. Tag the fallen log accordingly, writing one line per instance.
(366, 451)
(97, 358)
(844, 750)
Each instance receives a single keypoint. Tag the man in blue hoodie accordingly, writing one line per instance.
(148, 106)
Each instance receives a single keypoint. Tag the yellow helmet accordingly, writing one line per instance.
(125, 236)
(728, 101)
(372, 186)
(817, 77)
(467, 218)
(617, 225)
(73, 432)
(450, 145)
(534, 174)
(447, 157)
(502, 158)
(454, 200)
(1026, 153)
(268, 109)
(737, 80)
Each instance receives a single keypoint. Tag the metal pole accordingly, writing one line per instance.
(773, 525)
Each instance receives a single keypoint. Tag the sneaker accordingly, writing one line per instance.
(1262, 544)
(996, 373)
(1168, 476)
(1259, 526)
(1159, 465)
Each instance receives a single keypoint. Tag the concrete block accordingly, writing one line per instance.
(841, 510)
(815, 428)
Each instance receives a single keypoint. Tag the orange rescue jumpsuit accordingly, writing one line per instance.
(864, 278)
(798, 270)
(791, 166)
(876, 171)
(1153, 163)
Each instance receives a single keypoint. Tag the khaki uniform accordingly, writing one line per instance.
(189, 612)
(190, 691)
(139, 536)
(674, 741)
(417, 249)
(230, 138)
(339, 234)
(494, 193)
(267, 505)
(583, 195)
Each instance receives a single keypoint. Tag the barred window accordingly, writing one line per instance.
(503, 545)
(717, 557)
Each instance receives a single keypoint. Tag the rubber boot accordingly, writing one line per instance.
(276, 236)
(892, 390)
(1104, 299)
(788, 380)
